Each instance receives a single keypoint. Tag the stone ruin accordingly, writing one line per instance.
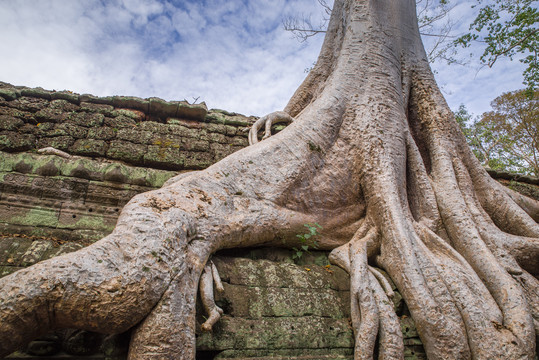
(112, 148)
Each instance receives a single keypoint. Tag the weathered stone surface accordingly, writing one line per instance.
(51, 114)
(102, 133)
(12, 141)
(162, 109)
(30, 104)
(266, 273)
(89, 147)
(71, 200)
(134, 135)
(65, 95)
(192, 111)
(58, 142)
(97, 108)
(72, 130)
(64, 105)
(37, 93)
(126, 151)
(131, 102)
(9, 94)
(278, 333)
(37, 118)
(87, 119)
(164, 156)
(119, 122)
(288, 354)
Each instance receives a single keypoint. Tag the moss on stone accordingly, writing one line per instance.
(36, 217)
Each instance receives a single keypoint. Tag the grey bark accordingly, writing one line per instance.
(375, 156)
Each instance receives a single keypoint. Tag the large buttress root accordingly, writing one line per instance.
(107, 287)
(168, 332)
(478, 222)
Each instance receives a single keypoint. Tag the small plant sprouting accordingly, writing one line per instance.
(512, 184)
(314, 147)
(307, 240)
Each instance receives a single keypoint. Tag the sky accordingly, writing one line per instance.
(232, 54)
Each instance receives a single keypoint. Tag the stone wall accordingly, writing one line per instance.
(141, 132)
(120, 146)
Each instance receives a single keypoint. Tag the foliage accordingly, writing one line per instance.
(506, 138)
(515, 121)
(508, 28)
(307, 240)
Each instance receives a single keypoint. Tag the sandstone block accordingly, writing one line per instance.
(126, 151)
(119, 122)
(87, 119)
(12, 141)
(131, 102)
(58, 142)
(29, 104)
(89, 147)
(8, 122)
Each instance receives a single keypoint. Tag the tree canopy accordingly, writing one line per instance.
(507, 28)
(506, 138)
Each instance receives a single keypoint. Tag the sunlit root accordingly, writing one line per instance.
(372, 312)
(276, 117)
(383, 282)
(216, 278)
(365, 312)
(207, 280)
(390, 333)
(530, 206)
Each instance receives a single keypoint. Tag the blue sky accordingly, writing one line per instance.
(232, 54)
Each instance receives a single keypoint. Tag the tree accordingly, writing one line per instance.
(433, 19)
(486, 142)
(506, 138)
(375, 157)
(508, 28)
(514, 124)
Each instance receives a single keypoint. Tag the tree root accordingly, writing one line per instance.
(52, 151)
(209, 278)
(372, 312)
(277, 117)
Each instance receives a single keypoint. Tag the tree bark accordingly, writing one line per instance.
(375, 156)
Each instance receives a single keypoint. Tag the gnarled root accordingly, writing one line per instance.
(210, 276)
(372, 313)
(276, 117)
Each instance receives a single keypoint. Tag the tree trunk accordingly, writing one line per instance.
(375, 156)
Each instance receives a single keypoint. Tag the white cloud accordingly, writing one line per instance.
(232, 54)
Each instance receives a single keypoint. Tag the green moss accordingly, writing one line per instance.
(36, 217)
(93, 222)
